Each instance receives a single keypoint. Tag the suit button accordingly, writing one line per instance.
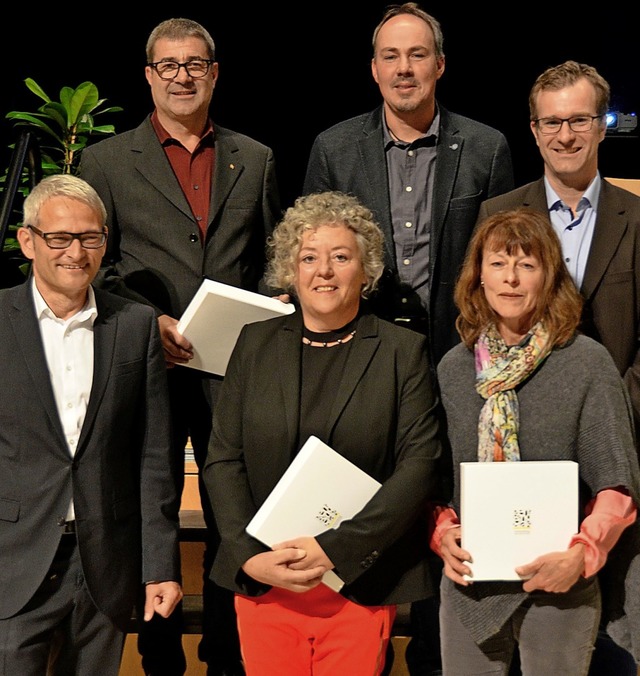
(193, 237)
(61, 521)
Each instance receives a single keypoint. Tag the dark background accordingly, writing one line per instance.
(289, 72)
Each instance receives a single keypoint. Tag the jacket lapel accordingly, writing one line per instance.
(289, 364)
(28, 342)
(153, 164)
(536, 197)
(228, 168)
(364, 346)
(449, 151)
(371, 147)
(104, 338)
(610, 227)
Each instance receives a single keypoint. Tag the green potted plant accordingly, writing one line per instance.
(61, 129)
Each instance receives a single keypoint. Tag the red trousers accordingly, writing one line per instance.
(317, 633)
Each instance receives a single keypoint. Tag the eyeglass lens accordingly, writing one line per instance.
(167, 70)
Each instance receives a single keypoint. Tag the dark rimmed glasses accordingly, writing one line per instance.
(577, 123)
(63, 240)
(168, 70)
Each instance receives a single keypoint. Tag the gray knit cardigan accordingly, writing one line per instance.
(574, 407)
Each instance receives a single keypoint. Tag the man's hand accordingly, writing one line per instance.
(177, 349)
(161, 598)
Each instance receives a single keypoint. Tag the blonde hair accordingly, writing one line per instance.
(309, 213)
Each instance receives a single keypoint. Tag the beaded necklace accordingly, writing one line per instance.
(329, 338)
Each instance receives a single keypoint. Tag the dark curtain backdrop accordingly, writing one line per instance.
(289, 71)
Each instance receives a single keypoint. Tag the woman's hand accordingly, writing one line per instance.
(274, 568)
(454, 557)
(555, 572)
(314, 556)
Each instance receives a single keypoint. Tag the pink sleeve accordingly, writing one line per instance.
(608, 514)
(443, 518)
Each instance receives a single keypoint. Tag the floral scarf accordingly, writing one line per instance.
(499, 370)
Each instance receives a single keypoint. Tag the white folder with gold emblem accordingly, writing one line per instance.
(214, 318)
(319, 490)
(512, 512)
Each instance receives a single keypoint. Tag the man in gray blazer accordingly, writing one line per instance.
(88, 508)
(186, 200)
(423, 171)
(599, 228)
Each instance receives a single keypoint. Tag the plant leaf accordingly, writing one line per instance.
(34, 87)
(84, 100)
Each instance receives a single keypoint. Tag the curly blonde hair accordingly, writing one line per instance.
(309, 213)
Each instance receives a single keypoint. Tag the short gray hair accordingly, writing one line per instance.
(177, 29)
(62, 185)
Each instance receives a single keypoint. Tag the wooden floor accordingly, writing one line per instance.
(131, 659)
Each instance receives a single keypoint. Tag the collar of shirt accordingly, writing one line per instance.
(589, 198)
(87, 314)
(165, 138)
(428, 139)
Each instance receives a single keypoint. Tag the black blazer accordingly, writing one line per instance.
(383, 420)
(123, 492)
(473, 163)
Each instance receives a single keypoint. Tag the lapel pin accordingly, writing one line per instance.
(454, 146)
(232, 166)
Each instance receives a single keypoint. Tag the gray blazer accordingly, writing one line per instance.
(389, 431)
(124, 497)
(611, 286)
(473, 163)
(154, 252)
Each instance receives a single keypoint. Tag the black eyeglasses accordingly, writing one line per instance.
(577, 123)
(168, 70)
(62, 240)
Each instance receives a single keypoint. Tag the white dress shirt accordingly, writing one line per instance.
(68, 348)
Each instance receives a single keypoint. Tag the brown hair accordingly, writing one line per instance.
(565, 75)
(413, 9)
(559, 305)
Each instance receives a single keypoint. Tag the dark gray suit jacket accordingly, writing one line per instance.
(124, 497)
(383, 419)
(611, 286)
(473, 163)
(154, 247)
